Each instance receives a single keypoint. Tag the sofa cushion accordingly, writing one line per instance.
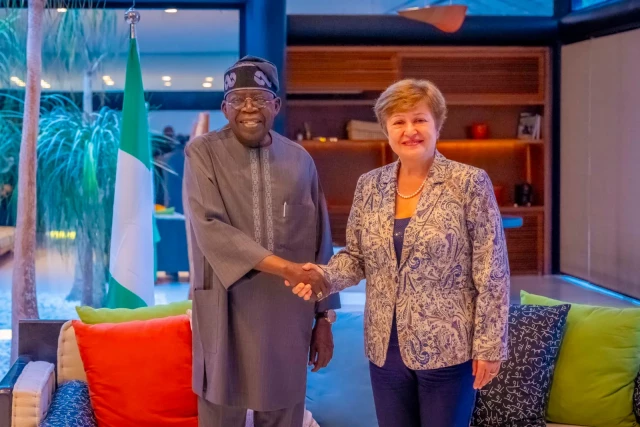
(518, 395)
(597, 365)
(32, 394)
(92, 315)
(139, 372)
(71, 406)
(70, 365)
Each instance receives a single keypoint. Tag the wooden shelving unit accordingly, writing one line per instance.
(329, 86)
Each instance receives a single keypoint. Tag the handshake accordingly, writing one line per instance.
(307, 280)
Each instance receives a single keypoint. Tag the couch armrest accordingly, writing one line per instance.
(32, 394)
(6, 389)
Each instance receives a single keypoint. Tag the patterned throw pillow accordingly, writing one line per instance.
(518, 395)
(71, 406)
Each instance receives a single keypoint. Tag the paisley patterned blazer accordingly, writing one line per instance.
(451, 288)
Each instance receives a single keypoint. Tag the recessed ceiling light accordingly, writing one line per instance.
(106, 78)
(110, 83)
(166, 78)
(206, 84)
(15, 79)
(167, 84)
(61, 9)
(45, 85)
(21, 83)
(171, 10)
(209, 79)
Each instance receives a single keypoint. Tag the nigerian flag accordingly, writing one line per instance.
(131, 265)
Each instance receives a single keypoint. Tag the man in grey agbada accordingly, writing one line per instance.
(257, 214)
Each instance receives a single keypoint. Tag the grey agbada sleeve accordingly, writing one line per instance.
(324, 249)
(229, 251)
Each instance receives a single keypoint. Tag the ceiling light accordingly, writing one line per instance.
(106, 78)
(15, 79)
(209, 79)
(45, 85)
(166, 78)
(167, 84)
(21, 83)
(61, 9)
(171, 10)
(109, 83)
(206, 84)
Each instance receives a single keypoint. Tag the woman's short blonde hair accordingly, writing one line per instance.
(405, 95)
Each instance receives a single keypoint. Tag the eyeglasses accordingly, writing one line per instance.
(258, 102)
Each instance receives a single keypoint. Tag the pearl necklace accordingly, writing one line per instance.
(414, 194)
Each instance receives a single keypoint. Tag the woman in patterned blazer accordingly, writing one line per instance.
(426, 233)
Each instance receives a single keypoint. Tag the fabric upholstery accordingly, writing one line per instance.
(139, 372)
(32, 394)
(91, 316)
(71, 406)
(518, 396)
(597, 365)
(70, 366)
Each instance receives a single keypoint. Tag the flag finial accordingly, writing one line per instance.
(132, 17)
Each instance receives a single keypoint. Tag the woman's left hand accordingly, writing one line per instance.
(484, 371)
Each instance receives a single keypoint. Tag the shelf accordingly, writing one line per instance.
(453, 102)
(467, 142)
(521, 209)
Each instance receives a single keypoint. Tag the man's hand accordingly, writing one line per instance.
(321, 350)
(304, 290)
(484, 371)
(313, 281)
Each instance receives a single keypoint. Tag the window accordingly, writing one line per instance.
(180, 50)
(384, 7)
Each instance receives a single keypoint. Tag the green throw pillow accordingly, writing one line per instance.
(598, 361)
(92, 315)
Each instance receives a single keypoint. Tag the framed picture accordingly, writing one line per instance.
(529, 126)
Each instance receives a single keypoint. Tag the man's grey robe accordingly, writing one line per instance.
(251, 334)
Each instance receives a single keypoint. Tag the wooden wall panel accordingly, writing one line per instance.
(339, 70)
(525, 244)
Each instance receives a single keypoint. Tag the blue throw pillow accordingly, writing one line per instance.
(71, 407)
(518, 396)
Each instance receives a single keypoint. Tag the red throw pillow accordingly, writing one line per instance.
(139, 372)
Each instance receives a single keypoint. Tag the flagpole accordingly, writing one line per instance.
(132, 16)
(132, 255)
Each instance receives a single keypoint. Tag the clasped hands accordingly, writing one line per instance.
(307, 280)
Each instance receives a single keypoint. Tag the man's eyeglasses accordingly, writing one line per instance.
(258, 102)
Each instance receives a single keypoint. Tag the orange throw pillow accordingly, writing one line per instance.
(139, 372)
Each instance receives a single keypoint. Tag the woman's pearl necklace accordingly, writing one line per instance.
(414, 194)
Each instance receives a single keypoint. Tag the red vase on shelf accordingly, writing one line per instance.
(479, 131)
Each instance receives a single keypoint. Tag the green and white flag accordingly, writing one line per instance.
(131, 264)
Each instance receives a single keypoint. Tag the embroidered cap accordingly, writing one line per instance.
(251, 72)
